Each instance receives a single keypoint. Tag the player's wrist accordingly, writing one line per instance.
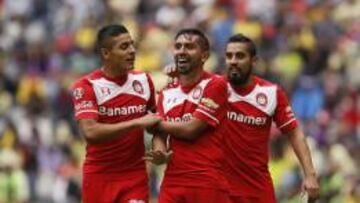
(137, 123)
(160, 129)
(310, 174)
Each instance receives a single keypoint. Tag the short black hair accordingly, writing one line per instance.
(203, 40)
(107, 32)
(244, 39)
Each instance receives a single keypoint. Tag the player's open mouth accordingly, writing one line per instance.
(131, 60)
(235, 74)
(182, 61)
(234, 71)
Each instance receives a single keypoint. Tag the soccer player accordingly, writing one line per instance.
(192, 110)
(254, 104)
(111, 105)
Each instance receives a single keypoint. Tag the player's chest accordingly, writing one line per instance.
(121, 102)
(247, 115)
(179, 105)
(123, 107)
(181, 112)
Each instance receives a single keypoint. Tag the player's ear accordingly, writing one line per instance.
(254, 60)
(104, 53)
(205, 56)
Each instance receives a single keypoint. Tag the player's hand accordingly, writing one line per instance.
(311, 186)
(148, 120)
(171, 71)
(158, 157)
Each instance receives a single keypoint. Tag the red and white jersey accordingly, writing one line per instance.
(110, 100)
(197, 163)
(251, 113)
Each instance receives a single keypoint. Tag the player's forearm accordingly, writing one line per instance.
(181, 130)
(302, 151)
(159, 143)
(98, 132)
(177, 130)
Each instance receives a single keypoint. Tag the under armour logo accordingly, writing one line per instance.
(171, 100)
(105, 90)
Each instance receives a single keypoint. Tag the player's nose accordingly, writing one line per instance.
(132, 49)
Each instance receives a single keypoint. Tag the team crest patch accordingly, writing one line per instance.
(209, 103)
(78, 93)
(261, 99)
(197, 92)
(138, 87)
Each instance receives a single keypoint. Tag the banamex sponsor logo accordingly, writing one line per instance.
(185, 118)
(252, 120)
(122, 111)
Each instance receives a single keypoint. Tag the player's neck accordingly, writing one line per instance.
(191, 78)
(246, 84)
(114, 72)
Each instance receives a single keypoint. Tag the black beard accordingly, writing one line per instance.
(184, 71)
(237, 79)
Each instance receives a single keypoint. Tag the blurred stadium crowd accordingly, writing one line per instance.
(311, 47)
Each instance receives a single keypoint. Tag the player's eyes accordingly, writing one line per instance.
(124, 46)
(228, 55)
(240, 55)
(189, 46)
(177, 46)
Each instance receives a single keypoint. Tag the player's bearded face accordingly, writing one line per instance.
(187, 53)
(122, 53)
(239, 63)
